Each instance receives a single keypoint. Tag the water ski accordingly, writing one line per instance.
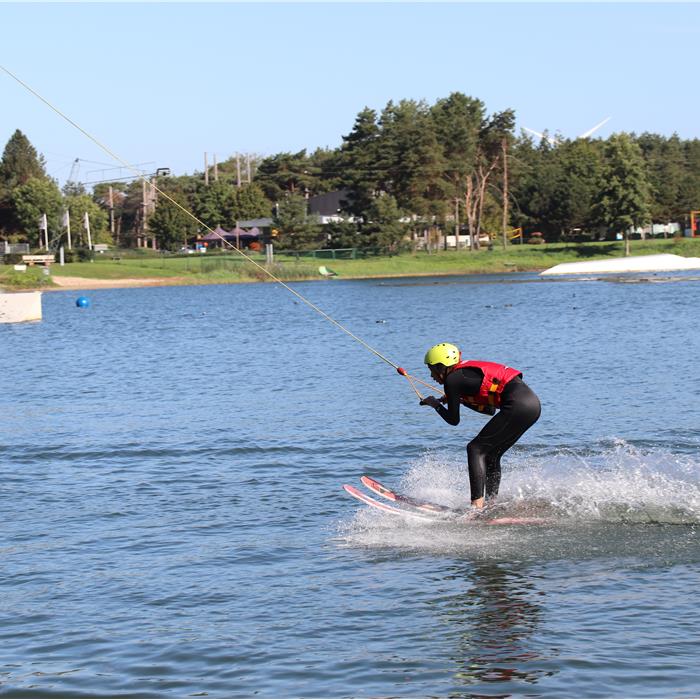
(411, 507)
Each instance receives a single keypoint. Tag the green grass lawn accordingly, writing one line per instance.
(515, 258)
(231, 267)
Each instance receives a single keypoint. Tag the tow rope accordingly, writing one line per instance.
(411, 379)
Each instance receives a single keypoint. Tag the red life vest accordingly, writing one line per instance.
(495, 379)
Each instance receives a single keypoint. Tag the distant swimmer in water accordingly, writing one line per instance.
(483, 387)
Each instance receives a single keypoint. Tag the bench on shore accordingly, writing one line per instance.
(45, 260)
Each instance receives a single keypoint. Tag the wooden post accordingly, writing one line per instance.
(456, 223)
(238, 170)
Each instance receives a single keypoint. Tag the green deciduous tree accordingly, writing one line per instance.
(577, 169)
(530, 186)
(690, 187)
(623, 201)
(171, 225)
(494, 131)
(78, 206)
(665, 167)
(556, 187)
(129, 209)
(249, 202)
(213, 204)
(118, 200)
(33, 199)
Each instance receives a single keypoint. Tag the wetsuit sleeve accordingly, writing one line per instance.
(464, 382)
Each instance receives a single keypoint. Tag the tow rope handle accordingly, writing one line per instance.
(411, 381)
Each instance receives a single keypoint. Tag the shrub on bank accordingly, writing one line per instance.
(31, 278)
(78, 255)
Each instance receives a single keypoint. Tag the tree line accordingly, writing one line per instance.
(411, 168)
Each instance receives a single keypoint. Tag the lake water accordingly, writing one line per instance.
(173, 522)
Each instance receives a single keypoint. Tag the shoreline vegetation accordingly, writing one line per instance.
(147, 268)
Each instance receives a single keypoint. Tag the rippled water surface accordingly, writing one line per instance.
(173, 522)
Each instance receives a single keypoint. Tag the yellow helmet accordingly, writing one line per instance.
(443, 354)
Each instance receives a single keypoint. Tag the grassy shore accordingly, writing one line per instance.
(155, 268)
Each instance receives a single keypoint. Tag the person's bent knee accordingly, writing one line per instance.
(475, 449)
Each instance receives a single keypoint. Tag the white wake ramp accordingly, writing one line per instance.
(640, 263)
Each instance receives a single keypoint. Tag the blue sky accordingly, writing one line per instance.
(161, 83)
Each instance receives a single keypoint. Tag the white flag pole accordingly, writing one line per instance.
(66, 223)
(87, 228)
(43, 226)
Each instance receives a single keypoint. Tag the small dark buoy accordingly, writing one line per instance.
(82, 302)
(381, 320)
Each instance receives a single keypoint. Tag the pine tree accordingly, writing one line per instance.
(458, 121)
(358, 163)
(297, 230)
(20, 162)
(384, 228)
(411, 159)
(285, 173)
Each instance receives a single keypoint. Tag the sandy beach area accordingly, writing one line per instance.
(64, 283)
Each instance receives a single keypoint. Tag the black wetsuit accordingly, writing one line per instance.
(520, 409)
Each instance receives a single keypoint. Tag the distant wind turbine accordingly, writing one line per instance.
(554, 140)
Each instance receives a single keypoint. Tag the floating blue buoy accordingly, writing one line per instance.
(82, 302)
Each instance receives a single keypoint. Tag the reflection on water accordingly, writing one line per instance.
(492, 623)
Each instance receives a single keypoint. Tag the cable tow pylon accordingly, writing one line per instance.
(262, 268)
